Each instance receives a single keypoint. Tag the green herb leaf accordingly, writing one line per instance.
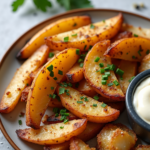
(96, 59)
(20, 122)
(92, 26)
(81, 65)
(52, 74)
(102, 70)
(61, 127)
(50, 68)
(147, 52)
(42, 5)
(51, 55)
(116, 82)
(85, 47)
(96, 97)
(77, 51)
(80, 60)
(104, 105)
(55, 78)
(135, 35)
(131, 78)
(61, 91)
(66, 120)
(74, 35)
(60, 72)
(94, 105)
(16, 4)
(110, 84)
(86, 99)
(104, 21)
(52, 88)
(66, 39)
(104, 82)
(55, 110)
(120, 72)
(139, 52)
(80, 102)
(101, 65)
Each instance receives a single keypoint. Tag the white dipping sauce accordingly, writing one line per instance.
(141, 100)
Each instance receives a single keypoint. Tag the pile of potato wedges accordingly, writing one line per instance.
(82, 70)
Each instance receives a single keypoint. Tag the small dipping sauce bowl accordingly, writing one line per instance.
(139, 126)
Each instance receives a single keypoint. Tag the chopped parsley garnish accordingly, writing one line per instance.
(104, 82)
(52, 88)
(81, 65)
(101, 65)
(62, 111)
(81, 97)
(131, 78)
(96, 97)
(80, 60)
(106, 68)
(104, 77)
(90, 47)
(61, 127)
(97, 59)
(120, 72)
(104, 21)
(94, 105)
(61, 91)
(80, 102)
(85, 47)
(66, 39)
(107, 73)
(20, 122)
(74, 34)
(66, 120)
(69, 84)
(52, 96)
(51, 55)
(60, 72)
(147, 52)
(50, 68)
(92, 26)
(77, 51)
(52, 74)
(55, 78)
(133, 57)
(55, 110)
(74, 24)
(111, 67)
(56, 115)
(102, 70)
(135, 35)
(139, 52)
(27, 84)
(86, 99)
(116, 82)
(110, 84)
(104, 105)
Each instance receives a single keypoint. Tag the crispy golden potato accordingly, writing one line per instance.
(116, 137)
(142, 147)
(53, 134)
(55, 103)
(53, 53)
(86, 89)
(121, 35)
(130, 70)
(131, 49)
(143, 32)
(116, 62)
(86, 36)
(52, 119)
(91, 130)
(24, 94)
(145, 63)
(34, 73)
(77, 144)
(57, 27)
(39, 94)
(21, 79)
(75, 74)
(94, 78)
(88, 108)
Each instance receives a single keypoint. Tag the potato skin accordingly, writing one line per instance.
(131, 49)
(85, 35)
(142, 147)
(94, 78)
(59, 26)
(96, 114)
(21, 79)
(38, 98)
(24, 94)
(75, 74)
(51, 134)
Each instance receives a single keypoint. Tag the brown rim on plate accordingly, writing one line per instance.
(50, 19)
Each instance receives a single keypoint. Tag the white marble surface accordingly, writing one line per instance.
(12, 25)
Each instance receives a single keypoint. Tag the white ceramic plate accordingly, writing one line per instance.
(9, 64)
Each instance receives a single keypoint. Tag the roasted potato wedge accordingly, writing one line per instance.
(86, 89)
(77, 144)
(143, 32)
(52, 54)
(86, 36)
(52, 119)
(34, 73)
(116, 62)
(39, 94)
(57, 27)
(142, 147)
(88, 108)
(21, 79)
(130, 70)
(55, 103)
(94, 78)
(131, 49)
(91, 130)
(145, 63)
(116, 137)
(121, 35)
(75, 74)
(52, 134)
(24, 94)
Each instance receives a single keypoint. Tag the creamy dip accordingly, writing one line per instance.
(141, 100)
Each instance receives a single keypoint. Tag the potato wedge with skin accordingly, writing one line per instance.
(21, 79)
(116, 137)
(52, 119)
(130, 70)
(86, 89)
(87, 35)
(34, 73)
(77, 144)
(57, 27)
(54, 53)
(94, 78)
(38, 98)
(75, 74)
(52, 134)
(142, 147)
(86, 109)
(143, 32)
(91, 130)
(131, 49)
(145, 64)
(24, 94)
(55, 103)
